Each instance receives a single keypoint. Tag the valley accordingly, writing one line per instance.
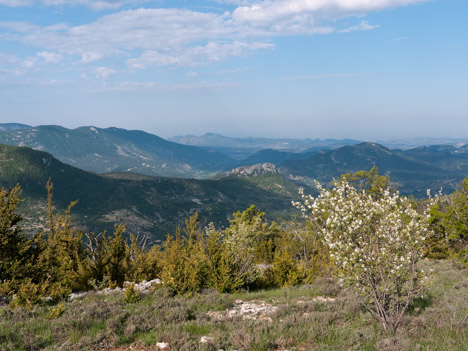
(152, 185)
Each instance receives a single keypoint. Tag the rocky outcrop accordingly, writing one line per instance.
(255, 170)
(144, 287)
(254, 310)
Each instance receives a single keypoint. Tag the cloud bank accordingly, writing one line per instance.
(172, 37)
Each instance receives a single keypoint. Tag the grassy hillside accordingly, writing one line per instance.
(319, 316)
(145, 204)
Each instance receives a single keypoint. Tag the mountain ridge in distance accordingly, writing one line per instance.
(257, 143)
(116, 150)
(145, 204)
(410, 172)
(113, 149)
(13, 126)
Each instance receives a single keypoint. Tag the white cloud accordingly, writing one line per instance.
(96, 5)
(269, 11)
(361, 26)
(55, 83)
(50, 57)
(142, 38)
(162, 87)
(88, 57)
(195, 56)
(103, 72)
(191, 74)
(11, 65)
(17, 3)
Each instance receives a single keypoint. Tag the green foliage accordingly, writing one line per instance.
(28, 294)
(226, 271)
(369, 181)
(63, 255)
(108, 257)
(149, 205)
(376, 241)
(449, 221)
(117, 256)
(144, 263)
(131, 294)
(250, 233)
(185, 267)
(306, 245)
(18, 253)
(56, 311)
(286, 272)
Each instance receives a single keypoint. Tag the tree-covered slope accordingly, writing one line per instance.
(145, 204)
(412, 171)
(116, 150)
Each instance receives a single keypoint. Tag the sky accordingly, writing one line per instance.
(362, 69)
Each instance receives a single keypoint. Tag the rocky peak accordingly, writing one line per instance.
(255, 170)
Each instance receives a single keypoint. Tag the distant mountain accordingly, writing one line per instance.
(274, 156)
(255, 170)
(243, 147)
(145, 204)
(12, 126)
(419, 142)
(268, 177)
(412, 171)
(119, 150)
(441, 155)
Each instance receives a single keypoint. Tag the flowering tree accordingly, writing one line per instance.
(375, 242)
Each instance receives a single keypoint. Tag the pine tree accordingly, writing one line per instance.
(18, 252)
(63, 255)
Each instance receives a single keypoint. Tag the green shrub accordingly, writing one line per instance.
(285, 270)
(28, 295)
(56, 312)
(131, 295)
(18, 252)
(184, 263)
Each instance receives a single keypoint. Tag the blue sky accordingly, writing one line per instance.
(364, 69)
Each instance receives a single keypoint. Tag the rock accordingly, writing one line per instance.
(255, 170)
(247, 310)
(323, 299)
(163, 346)
(77, 295)
(205, 339)
(144, 286)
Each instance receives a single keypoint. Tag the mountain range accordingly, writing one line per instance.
(13, 126)
(146, 180)
(240, 148)
(119, 150)
(151, 205)
(411, 171)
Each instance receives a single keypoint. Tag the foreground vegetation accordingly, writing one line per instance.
(335, 321)
(359, 230)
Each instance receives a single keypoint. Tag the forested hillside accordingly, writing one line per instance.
(117, 150)
(149, 205)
